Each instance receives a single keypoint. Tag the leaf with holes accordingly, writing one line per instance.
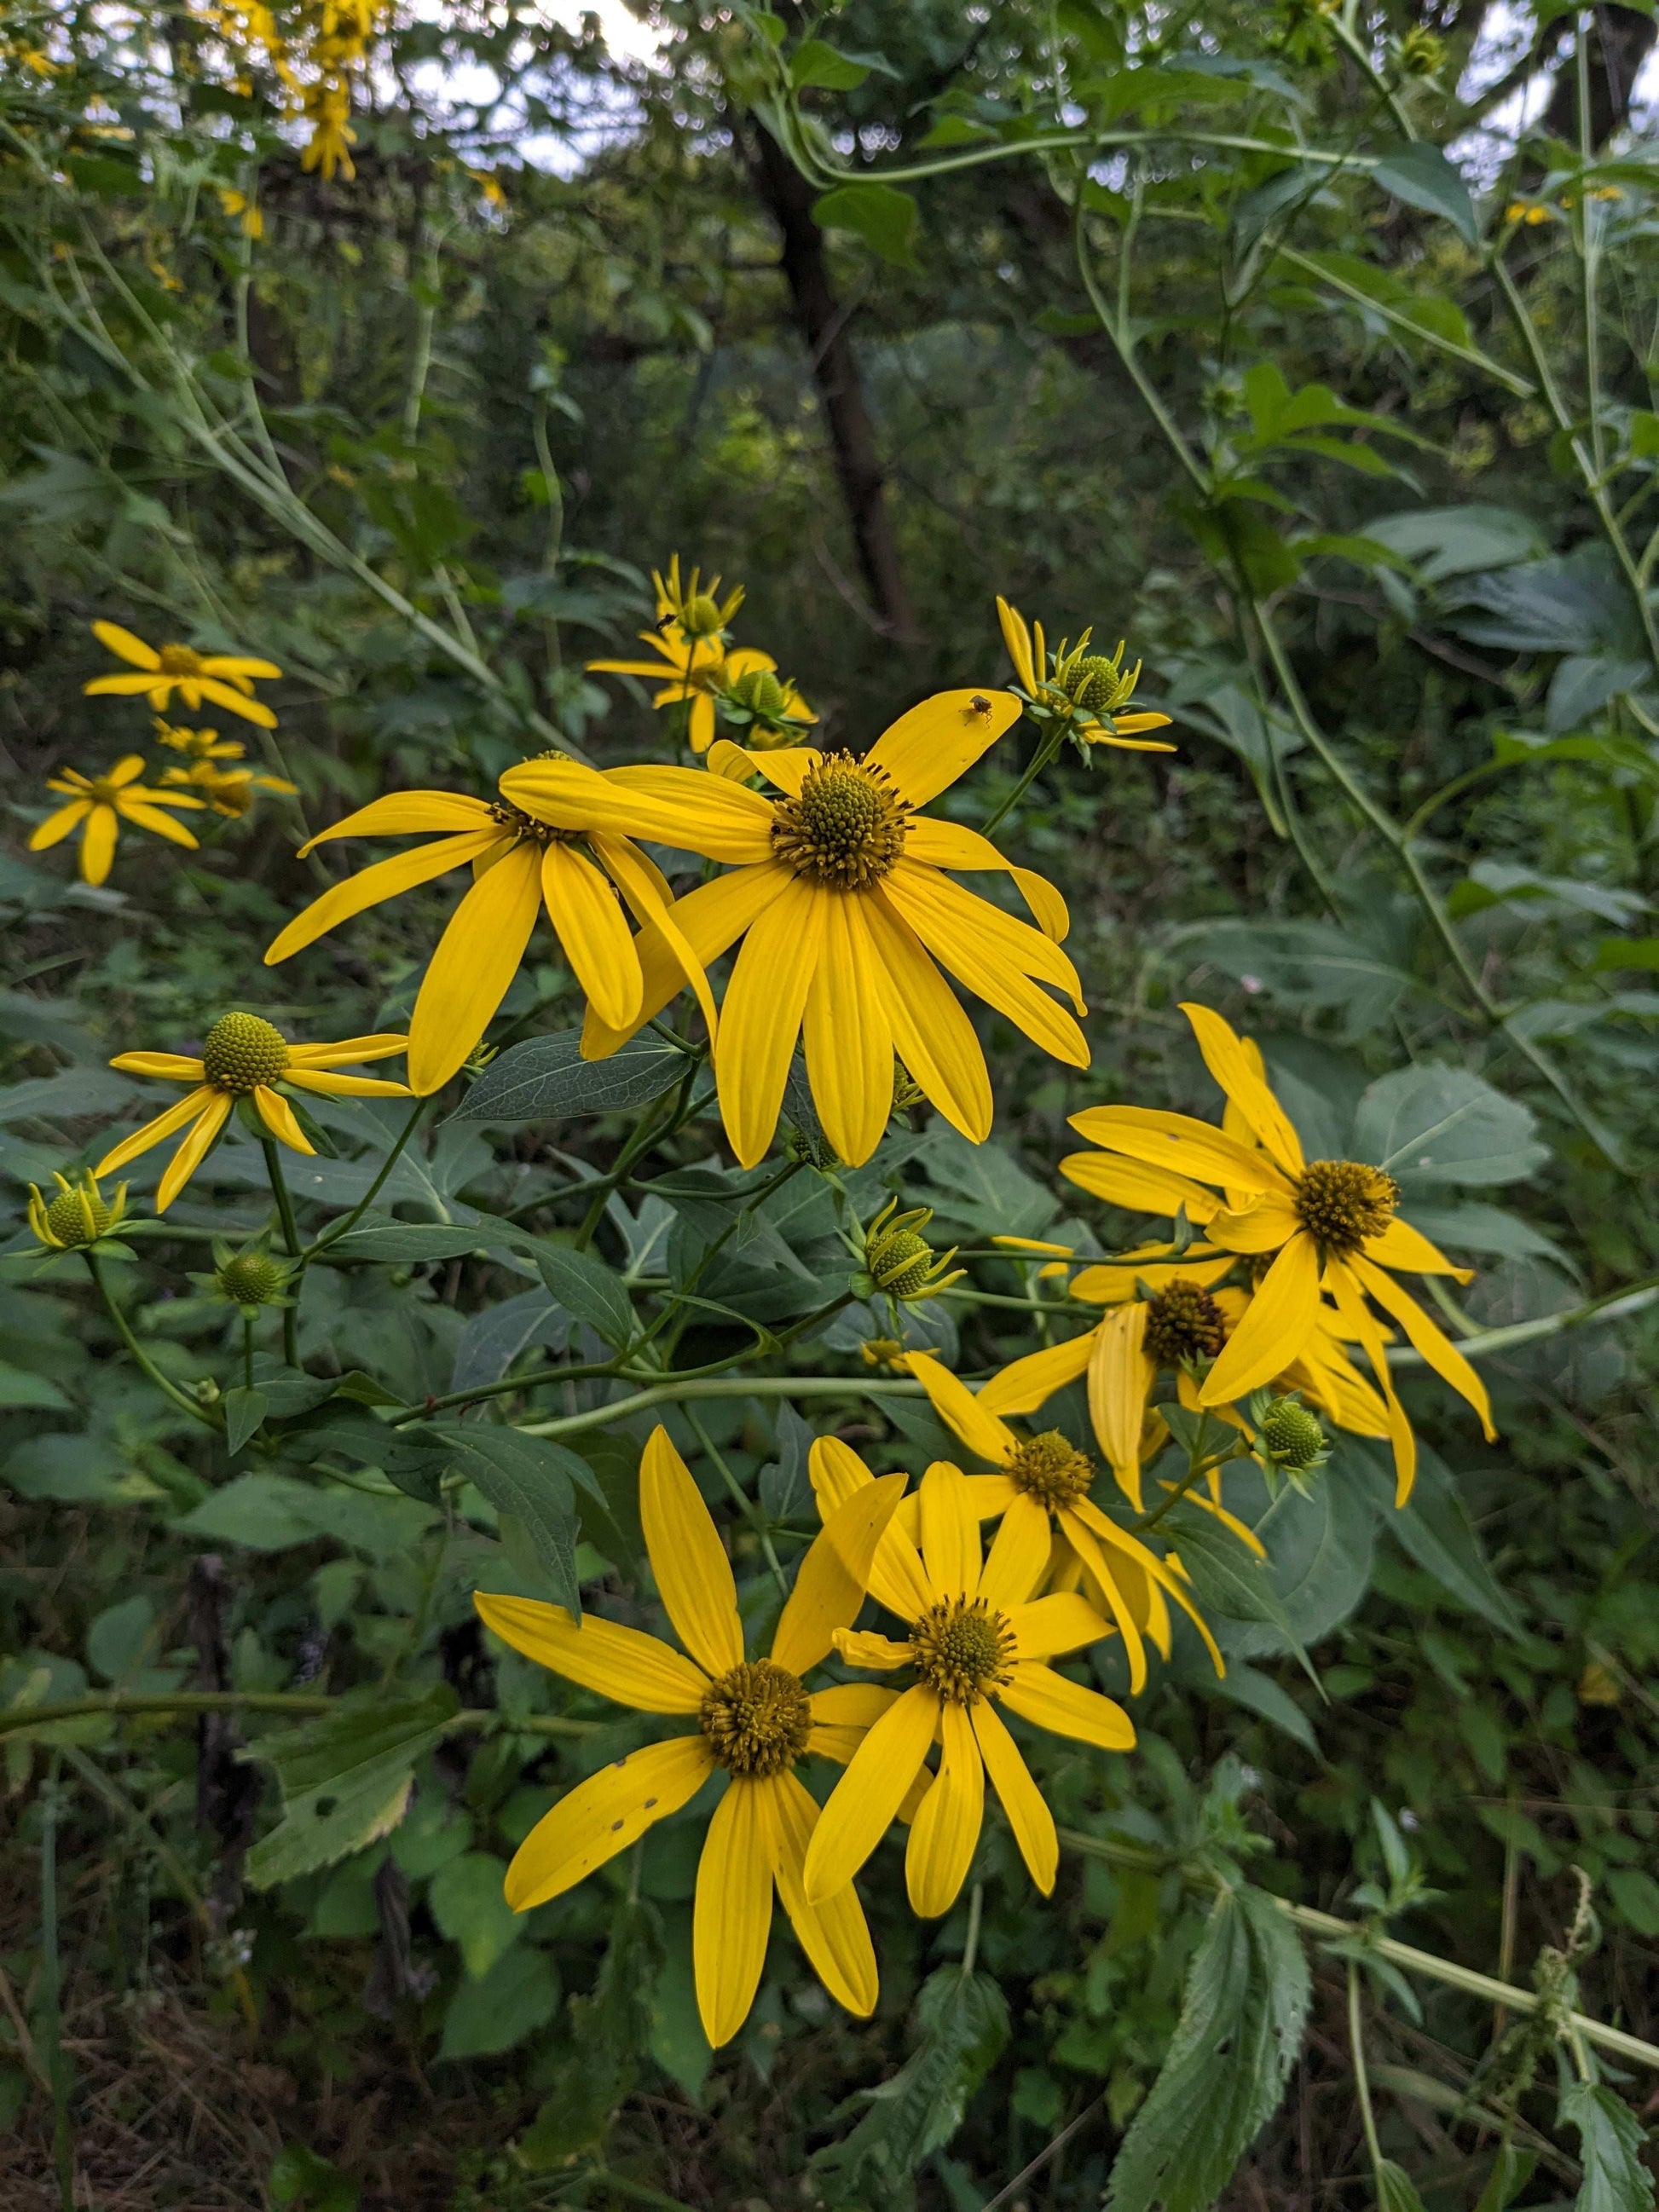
(345, 1778)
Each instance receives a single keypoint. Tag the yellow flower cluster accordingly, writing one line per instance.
(317, 50)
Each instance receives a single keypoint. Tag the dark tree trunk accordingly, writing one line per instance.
(1621, 41)
(822, 323)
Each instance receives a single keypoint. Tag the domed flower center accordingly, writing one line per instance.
(241, 1053)
(252, 1278)
(757, 1718)
(847, 827)
(1184, 1324)
(1340, 1203)
(962, 1650)
(701, 616)
(761, 692)
(901, 1262)
(180, 661)
(1051, 1469)
(1098, 683)
(526, 825)
(76, 1216)
(1293, 1435)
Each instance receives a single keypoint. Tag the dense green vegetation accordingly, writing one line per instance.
(1185, 324)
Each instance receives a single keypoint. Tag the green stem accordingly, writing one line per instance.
(1047, 751)
(51, 2011)
(1585, 240)
(1362, 2080)
(247, 1347)
(970, 1942)
(291, 1240)
(732, 1386)
(169, 1390)
(339, 1229)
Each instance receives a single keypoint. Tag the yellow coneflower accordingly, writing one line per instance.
(228, 791)
(1083, 692)
(226, 678)
(243, 1056)
(78, 1216)
(704, 673)
(842, 896)
(975, 1640)
(102, 803)
(1331, 1226)
(755, 1718)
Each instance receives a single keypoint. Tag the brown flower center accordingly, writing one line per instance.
(1184, 1324)
(526, 825)
(846, 826)
(180, 661)
(757, 1718)
(1051, 1469)
(962, 1650)
(1340, 1203)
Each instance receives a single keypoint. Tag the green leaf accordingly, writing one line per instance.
(1230, 1580)
(1511, 2171)
(404, 1244)
(1433, 1529)
(1395, 2190)
(1307, 964)
(817, 62)
(496, 1336)
(545, 1078)
(963, 2021)
(1422, 176)
(1242, 2017)
(531, 1478)
(1610, 2144)
(345, 1778)
(584, 1286)
(309, 2183)
(465, 1899)
(1444, 1124)
(882, 216)
(262, 1512)
(1636, 1894)
(603, 2035)
(244, 1411)
(784, 1485)
(519, 1994)
(20, 1387)
(121, 1639)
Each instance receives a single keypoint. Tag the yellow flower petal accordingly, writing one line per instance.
(194, 1150)
(931, 1035)
(832, 1578)
(156, 1131)
(621, 1663)
(1268, 1222)
(57, 826)
(1049, 1625)
(1408, 1251)
(1052, 1701)
(927, 749)
(1097, 1562)
(852, 1705)
(956, 928)
(401, 813)
(1085, 1521)
(1121, 1378)
(225, 694)
(347, 1051)
(277, 1116)
(589, 923)
(693, 1574)
(849, 1040)
(343, 1086)
(1224, 1057)
(1027, 1383)
(1017, 639)
(833, 1934)
(1018, 1556)
(603, 1815)
(949, 1532)
(679, 806)
(946, 1829)
(642, 884)
(710, 919)
(385, 879)
(1111, 1287)
(123, 642)
(732, 1917)
(172, 1066)
(1427, 1338)
(1137, 1188)
(128, 687)
(958, 1406)
(862, 1805)
(1359, 1323)
(1278, 1322)
(98, 844)
(1179, 1144)
(1028, 1817)
(896, 1577)
(761, 1018)
(477, 956)
(863, 1647)
(159, 825)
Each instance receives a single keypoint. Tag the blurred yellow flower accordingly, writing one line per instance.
(228, 791)
(701, 670)
(198, 744)
(233, 202)
(243, 1056)
(226, 678)
(102, 803)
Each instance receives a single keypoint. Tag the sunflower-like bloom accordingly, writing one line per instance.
(78, 1216)
(842, 897)
(1329, 1227)
(560, 839)
(1083, 692)
(102, 803)
(738, 680)
(975, 1640)
(226, 678)
(228, 791)
(755, 1718)
(243, 1057)
(1043, 1484)
(198, 745)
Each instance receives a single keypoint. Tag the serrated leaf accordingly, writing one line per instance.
(1445, 1125)
(964, 2020)
(584, 1286)
(1242, 2017)
(1610, 2143)
(345, 1778)
(545, 1078)
(531, 1478)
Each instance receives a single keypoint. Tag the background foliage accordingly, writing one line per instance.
(1193, 331)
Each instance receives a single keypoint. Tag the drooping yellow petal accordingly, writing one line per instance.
(897, 1579)
(1410, 1252)
(194, 1149)
(158, 1131)
(1017, 639)
(227, 695)
(1048, 909)
(621, 1663)
(1093, 1533)
(1278, 1322)
(589, 926)
(331, 1085)
(731, 1916)
(949, 1532)
(832, 1578)
(946, 915)
(1018, 1556)
(1046, 1626)
(468, 977)
(851, 1706)
(761, 1018)
(931, 1035)
(1121, 1379)
(1137, 1188)
(401, 813)
(862, 1805)
(1081, 1536)
(1359, 1322)
(955, 926)
(1112, 1286)
(642, 884)
(693, 1574)
(946, 1832)
(1027, 1383)
(57, 826)
(1055, 1702)
(1266, 1223)
(1427, 1338)
(603, 1815)
(1226, 1059)
(159, 824)
(347, 1052)
(710, 919)
(277, 1116)
(385, 879)
(1028, 1816)
(1177, 1143)
(98, 844)
(834, 1934)
(849, 1040)
(961, 1409)
(929, 747)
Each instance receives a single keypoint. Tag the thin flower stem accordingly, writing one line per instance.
(970, 1942)
(725, 1386)
(1047, 751)
(291, 1240)
(169, 1390)
(740, 1497)
(247, 1347)
(1362, 2080)
(335, 1230)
